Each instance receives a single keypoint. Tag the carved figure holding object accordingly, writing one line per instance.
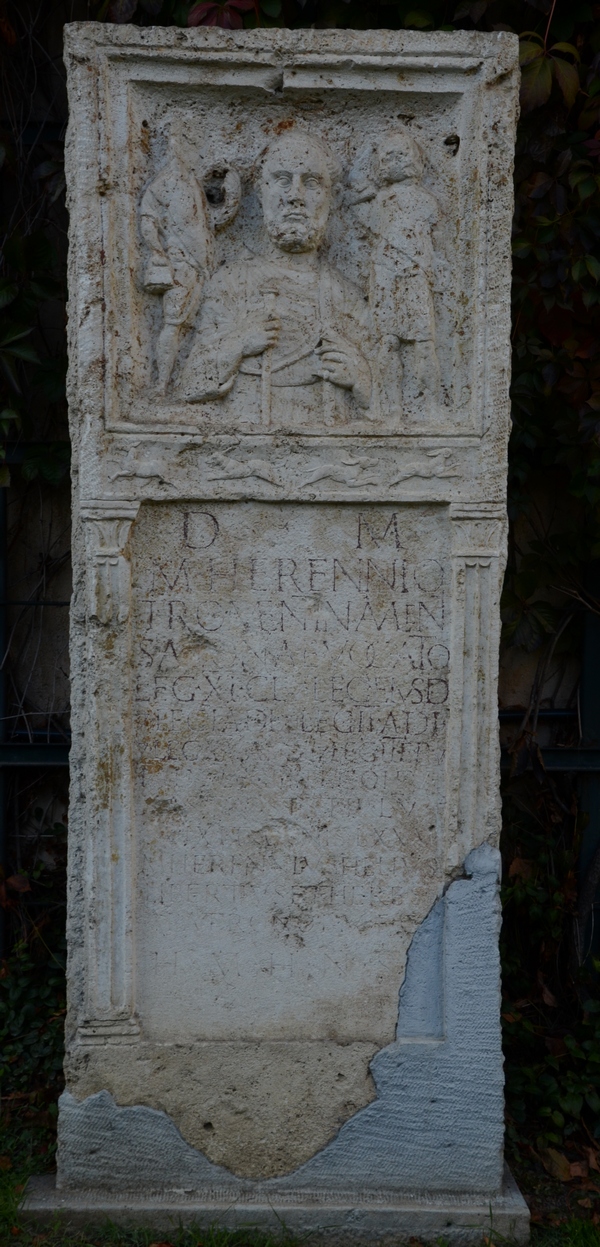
(404, 267)
(176, 228)
(284, 329)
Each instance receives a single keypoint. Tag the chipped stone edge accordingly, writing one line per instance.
(437, 1122)
(500, 45)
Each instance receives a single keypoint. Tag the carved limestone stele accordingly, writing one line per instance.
(288, 395)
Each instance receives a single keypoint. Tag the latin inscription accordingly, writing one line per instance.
(292, 668)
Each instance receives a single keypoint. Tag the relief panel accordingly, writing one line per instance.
(282, 270)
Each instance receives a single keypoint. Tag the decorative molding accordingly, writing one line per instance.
(109, 847)
(112, 1031)
(478, 556)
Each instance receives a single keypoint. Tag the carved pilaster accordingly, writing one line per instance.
(473, 754)
(110, 1007)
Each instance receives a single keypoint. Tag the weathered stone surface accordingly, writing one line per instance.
(255, 1107)
(288, 385)
(438, 1090)
(458, 1219)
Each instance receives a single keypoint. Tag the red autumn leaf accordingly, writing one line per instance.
(539, 185)
(521, 868)
(555, 1046)
(19, 883)
(228, 15)
(593, 144)
(121, 11)
(556, 325)
(7, 32)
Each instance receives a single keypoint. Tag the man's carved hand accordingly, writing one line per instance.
(343, 365)
(263, 334)
(157, 276)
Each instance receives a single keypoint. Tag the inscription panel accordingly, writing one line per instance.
(290, 714)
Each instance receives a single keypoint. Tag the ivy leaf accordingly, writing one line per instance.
(474, 9)
(10, 372)
(593, 266)
(24, 351)
(419, 19)
(555, 1164)
(51, 463)
(121, 10)
(567, 79)
(566, 47)
(521, 248)
(529, 52)
(8, 292)
(45, 288)
(50, 376)
(46, 169)
(14, 335)
(536, 83)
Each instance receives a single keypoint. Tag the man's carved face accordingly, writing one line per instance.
(398, 158)
(295, 189)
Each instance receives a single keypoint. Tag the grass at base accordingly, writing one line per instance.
(13, 1231)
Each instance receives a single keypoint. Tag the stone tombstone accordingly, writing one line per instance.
(289, 353)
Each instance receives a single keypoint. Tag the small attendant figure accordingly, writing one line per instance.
(175, 227)
(403, 266)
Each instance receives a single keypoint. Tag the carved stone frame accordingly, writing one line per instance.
(462, 468)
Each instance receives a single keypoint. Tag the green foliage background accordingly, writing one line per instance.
(552, 996)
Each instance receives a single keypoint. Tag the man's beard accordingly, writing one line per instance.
(298, 234)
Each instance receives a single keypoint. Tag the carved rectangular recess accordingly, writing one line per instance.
(210, 122)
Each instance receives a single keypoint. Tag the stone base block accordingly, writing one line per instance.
(348, 1219)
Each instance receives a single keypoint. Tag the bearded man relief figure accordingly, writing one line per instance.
(284, 333)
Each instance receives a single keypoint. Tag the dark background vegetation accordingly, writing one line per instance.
(551, 656)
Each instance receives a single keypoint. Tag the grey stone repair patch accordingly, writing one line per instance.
(436, 1072)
